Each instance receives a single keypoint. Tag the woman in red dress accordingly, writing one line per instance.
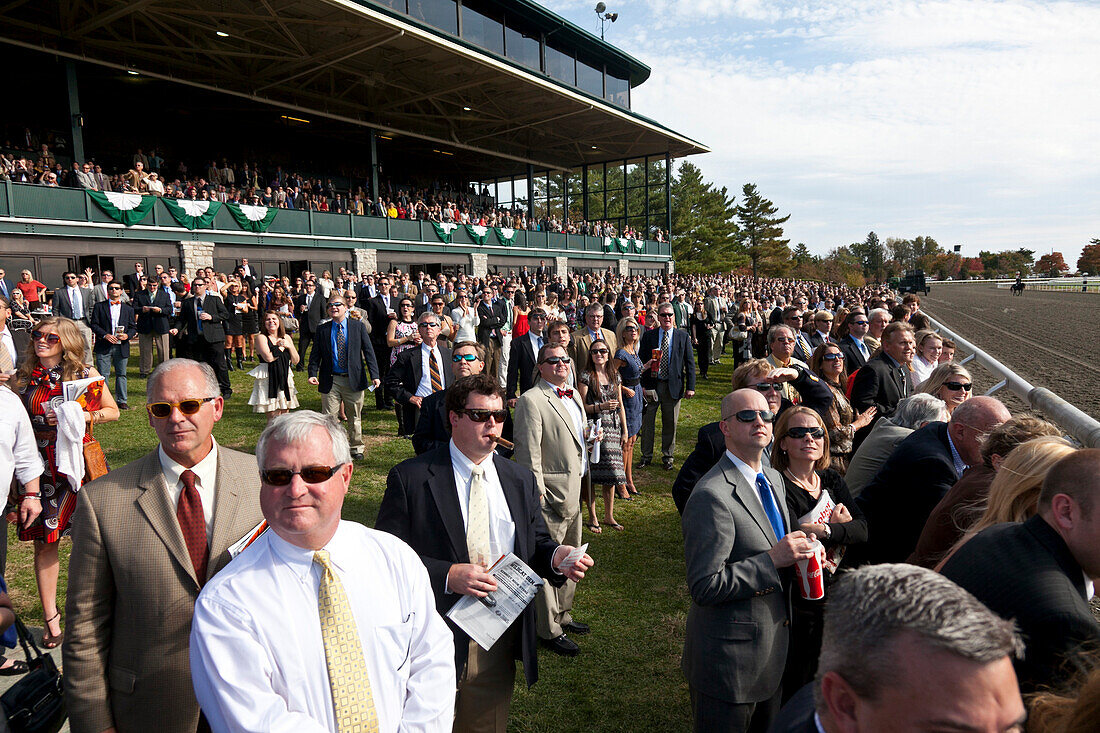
(57, 355)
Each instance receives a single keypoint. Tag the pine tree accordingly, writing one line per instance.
(704, 233)
(761, 233)
(872, 256)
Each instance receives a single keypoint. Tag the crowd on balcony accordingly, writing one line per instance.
(249, 183)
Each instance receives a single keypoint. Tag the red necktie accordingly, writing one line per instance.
(566, 393)
(193, 523)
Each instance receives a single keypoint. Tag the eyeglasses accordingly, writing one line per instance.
(956, 386)
(800, 433)
(794, 318)
(748, 416)
(309, 474)
(768, 387)
(599, 351)
(187, 407)
(484, 415)
(859, 323)
(70, 277)
(556, 360)
(832, 356)
(463, 357)
(50, 338)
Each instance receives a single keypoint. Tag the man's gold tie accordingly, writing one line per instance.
(352, 701)
(477, 528)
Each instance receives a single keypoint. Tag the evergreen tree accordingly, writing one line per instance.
(802, 254)
(872, 256)
(704, 233)
(762, 232)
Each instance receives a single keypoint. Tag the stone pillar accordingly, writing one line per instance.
(194, 255)
(479, 264)
(624, 268)
(561, 267)
(671, 267)
(366, 260)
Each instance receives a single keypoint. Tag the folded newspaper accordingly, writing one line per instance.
(486, 619)
(75, 390)
(821, 514)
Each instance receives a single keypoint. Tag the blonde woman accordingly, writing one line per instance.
(951, 383)
(927, 358)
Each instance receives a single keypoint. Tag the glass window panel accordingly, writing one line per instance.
(481, 27)
(399, 5)
(590, 78)
(560, 65)
(595, 193)
(618, 88)
(557, 201)
(443, 14)
(523, 46)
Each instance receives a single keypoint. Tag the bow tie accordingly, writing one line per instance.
(567, 393)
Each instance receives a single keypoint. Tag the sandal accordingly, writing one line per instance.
(49, 641)
(632, 490)
(17, 667)
(626, 497)
(593, 527)
(614, 525)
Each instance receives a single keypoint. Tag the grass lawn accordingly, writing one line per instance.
(627, 676)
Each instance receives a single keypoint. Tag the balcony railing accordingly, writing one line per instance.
(73, 206)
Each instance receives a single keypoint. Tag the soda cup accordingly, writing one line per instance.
(810, 573)
(656, 360)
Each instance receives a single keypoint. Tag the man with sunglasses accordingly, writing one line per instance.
(460, 501)
(856, 351)
(674, 379)
(114, 327)
(146, 538)
(550, 440)
(433, 429)
(353, 641)
(342, 364)
(201, 317)
(738, 548)
(521, 360)
(420, 372)
(75, 303)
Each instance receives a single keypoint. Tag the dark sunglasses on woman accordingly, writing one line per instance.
(50, 338)
(800, 433)
(954, 386)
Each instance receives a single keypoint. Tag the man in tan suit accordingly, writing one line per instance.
(146, 537)
(582, 338)
(549, 435)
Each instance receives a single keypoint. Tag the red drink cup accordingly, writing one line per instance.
(811, 574)
(656, 360)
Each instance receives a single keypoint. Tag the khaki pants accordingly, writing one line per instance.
(146, 342)
(670, 415)
(505, 352)
(554, 606)
(485, 687)
(342, 392)
(86, 332)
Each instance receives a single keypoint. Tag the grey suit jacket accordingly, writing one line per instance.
(738, 626)
(63, 306)
(132, 591)
(872, 454)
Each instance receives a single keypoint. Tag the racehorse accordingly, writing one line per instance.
(1018, 288)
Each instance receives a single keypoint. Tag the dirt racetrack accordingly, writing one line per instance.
(1050, 339)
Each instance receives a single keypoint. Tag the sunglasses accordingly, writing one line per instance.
(556, 360)
(599, 351)
(953, 386)
(463, 357)
(800, 433)
(748, 416)
(50, 338)
(428, 324)
(309, 474)
(859, 323)
(484, 415)
(187, 407)
(768, 387)
(832, 356)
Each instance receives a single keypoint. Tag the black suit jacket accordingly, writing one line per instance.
(360, 353)
(816, 340)
(64, 307)
(379, 320)
(878, 384)
(902, 495)
(711, 444)
(101, 325)
(404, 376)
(681, 362)
(521, 366)
(1027, 573)
(132, 284)
(311, 319)
(797, 716)
(153, 322)
(488, 327)
(421, 507)
(212, 331)
(853, 357)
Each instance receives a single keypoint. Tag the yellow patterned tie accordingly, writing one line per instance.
(477, 528)
(352, 701)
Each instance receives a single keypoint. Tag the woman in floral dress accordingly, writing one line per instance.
(601, 392)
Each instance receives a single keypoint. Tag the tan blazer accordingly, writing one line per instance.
(132, 591)
(580, 342)
(547, 442)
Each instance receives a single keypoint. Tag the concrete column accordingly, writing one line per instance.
(561, 266)
(671, 267)
(366, 260)
(624, 268)
(194, 255)
(479, 264)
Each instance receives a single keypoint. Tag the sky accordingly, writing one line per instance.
(969, 121)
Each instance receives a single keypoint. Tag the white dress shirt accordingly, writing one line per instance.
(18, 451)
(257, 658)
(579, 421)
(750, 476)
(116, 314)
(535, 338)
(206, 474)
(502, 530)
(425, 387)
(9, 343)
(77, 303)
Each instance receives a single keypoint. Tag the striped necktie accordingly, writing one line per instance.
(352, 701)
(341, 348)
(433, 368)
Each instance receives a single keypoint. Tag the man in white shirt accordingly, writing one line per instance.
(18, 457)
(419, 372)
(353, 642)
(450, 517)
(75, 303)
(521, 360)
(15, 345)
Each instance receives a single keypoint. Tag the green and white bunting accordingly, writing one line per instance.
(639, 245)
(615, 242)
(506, 236)
(193, 214)
(607, 244)
(126, 208)
(477, 233)
(444, 230)
(252, 218)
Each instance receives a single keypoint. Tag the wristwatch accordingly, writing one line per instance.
(828, 531)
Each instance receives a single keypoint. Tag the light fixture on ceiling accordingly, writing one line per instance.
(131, 72)
(467, 109)
(221, 34)
(298, 120)
(594, 147)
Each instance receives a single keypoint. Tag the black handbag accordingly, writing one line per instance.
(36, 703)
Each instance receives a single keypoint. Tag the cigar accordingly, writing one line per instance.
(504, 443)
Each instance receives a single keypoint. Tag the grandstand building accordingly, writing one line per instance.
(501, 104)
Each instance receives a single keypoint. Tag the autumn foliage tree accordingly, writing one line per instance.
(1052, 265)
(1089, 261)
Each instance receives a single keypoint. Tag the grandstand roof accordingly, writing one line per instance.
(355, 61)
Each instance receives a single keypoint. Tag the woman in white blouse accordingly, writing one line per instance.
(465, 317)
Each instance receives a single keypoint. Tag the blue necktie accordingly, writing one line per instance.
(540, 345)
(767, 498)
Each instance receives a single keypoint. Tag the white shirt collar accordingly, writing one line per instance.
(745, 469)
(300, 559)
(205, 470)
